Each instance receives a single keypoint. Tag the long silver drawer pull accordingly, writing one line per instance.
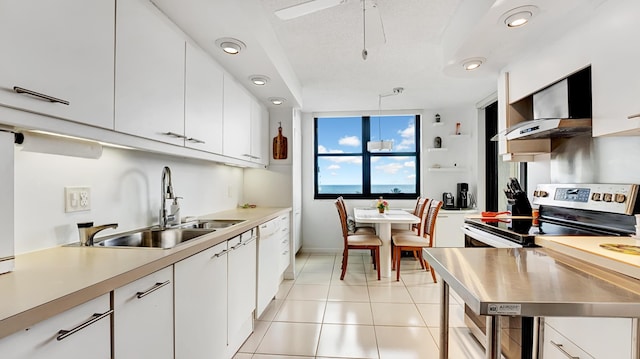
(637, 115)
(176, 135)
(152, 289)
(195, 140)
(40, 95)
(249, 241)
(62, 334)
(561, 349)
(236, 246)
(219, 254)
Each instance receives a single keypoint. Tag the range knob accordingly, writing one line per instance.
(620, 198)
(607, 197)
(596, 196)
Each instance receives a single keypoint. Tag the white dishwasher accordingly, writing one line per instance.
(268, 269)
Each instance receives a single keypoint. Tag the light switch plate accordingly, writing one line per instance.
(77, 199)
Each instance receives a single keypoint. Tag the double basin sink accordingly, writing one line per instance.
(154, 237)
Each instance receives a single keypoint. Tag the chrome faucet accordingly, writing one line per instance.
(166, 190)
(87, 231)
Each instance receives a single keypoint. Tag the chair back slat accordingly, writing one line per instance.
(343, 220)
(422, 213)
(430, 228)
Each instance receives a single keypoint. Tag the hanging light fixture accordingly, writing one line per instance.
(382, 144)
(365, 53)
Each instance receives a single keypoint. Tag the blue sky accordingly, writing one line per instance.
(344, 135)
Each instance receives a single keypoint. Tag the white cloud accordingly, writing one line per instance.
(408, 138)
(390, 168)
(408, 132)
(410, 164)
(322, 149)
(345, 159)
(411, 177)
(333, 167)
(352, 141)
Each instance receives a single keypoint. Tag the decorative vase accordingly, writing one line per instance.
(437, 118)
(381, 210)
(437, 142)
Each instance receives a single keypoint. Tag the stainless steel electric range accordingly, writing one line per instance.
(564, 210)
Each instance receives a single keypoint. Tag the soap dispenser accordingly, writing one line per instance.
(174, 211)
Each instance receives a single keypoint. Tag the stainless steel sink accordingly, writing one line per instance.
(153, 238)
(212, 223)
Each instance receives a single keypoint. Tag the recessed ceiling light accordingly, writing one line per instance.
(473, 63)
(230, 45)
(259, 80)
(518, 16)
(277, 100)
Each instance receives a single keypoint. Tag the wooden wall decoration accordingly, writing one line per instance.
(279, 145)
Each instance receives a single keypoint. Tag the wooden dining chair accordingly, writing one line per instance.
(353, 229)
(413, 242)
(421, 204)
(369, 242)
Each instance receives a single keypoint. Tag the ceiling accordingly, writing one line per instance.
(315, 61)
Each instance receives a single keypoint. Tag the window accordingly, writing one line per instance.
(345, 167)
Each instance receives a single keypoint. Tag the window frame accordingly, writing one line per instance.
(366, 162)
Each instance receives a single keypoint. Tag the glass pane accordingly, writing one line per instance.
(395, 174)
(339, 135)
(399, 129)
(339, 174)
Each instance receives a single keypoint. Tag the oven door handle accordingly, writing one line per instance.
(489, 239)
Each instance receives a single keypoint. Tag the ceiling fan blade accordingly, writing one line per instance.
(306, 8)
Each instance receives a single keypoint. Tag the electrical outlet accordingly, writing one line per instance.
(77, 199)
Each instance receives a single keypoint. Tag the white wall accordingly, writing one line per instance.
(125, 188)
(321, 227)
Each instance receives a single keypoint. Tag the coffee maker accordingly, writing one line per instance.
(463, 195)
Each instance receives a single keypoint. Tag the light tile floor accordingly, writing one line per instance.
(320, 316)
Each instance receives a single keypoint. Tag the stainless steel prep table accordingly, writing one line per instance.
(533, 282)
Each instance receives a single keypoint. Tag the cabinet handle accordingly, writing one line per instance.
(62, 334)
(176, 135)
(40, 95)
(561, 349)
(251, 156)
(637, 115)
(194, 140)
(152, 289)
(249, 241)
(236, 246)
(220, 253)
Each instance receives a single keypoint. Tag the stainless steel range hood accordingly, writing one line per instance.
(560, 110)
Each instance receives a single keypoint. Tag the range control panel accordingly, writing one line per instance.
(614, 198)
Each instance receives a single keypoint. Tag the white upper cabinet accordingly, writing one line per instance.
(203, 102)
(150, 54)
(615, 82)
(237, 120)
(59, 50)
(259, 127)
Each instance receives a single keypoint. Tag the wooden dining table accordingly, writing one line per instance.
(383, 222)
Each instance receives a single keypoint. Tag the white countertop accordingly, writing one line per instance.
(48, 282)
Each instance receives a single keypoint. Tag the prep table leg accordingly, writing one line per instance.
(493, 344)
(444, 320)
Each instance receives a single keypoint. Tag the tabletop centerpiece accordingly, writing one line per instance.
(382, 205)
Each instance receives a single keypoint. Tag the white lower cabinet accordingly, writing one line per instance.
(143, 317)
(588, 338)
(81, 332)
(201, 304)
(241, 289)
(273, 259)
(284, 258)
(448, 230)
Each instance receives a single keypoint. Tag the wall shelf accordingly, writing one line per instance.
(433, 149)
(467, 136)
(446, 169)
(437, 124)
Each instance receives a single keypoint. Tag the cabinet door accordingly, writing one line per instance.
(588, 334)
(201, 304)
(43, 340)
(615, 83)
(203, 102)
(62, 49)
(448, 230)
(267, 269)
(242, 289)
(149, 73)
(259, 127)
(284, 251)
(143, 317)
(237, 121)
(556, 346)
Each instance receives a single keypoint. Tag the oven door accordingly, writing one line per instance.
(474, 237)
